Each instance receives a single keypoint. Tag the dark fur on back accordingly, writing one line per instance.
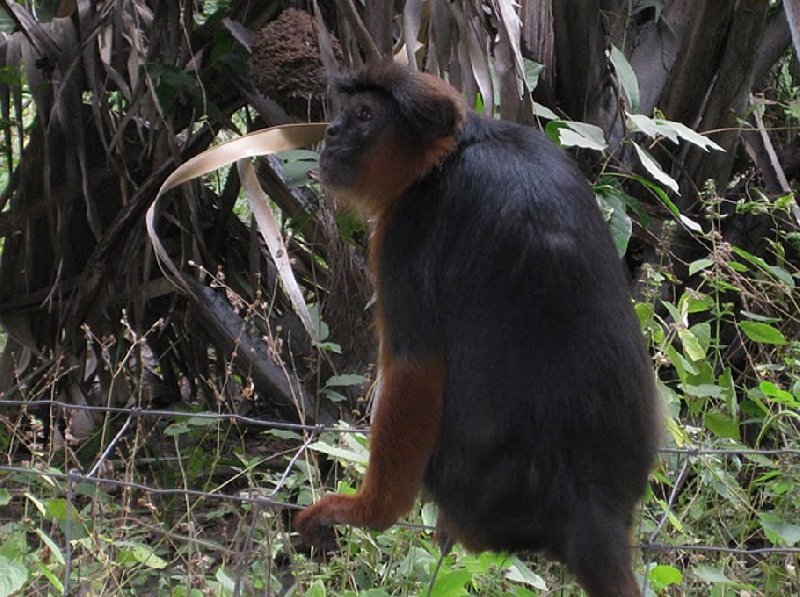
(516, 384)
(501, 260)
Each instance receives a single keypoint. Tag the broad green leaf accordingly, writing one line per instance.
(626, 76)
(5, 496)
(655, 170)
(55, 550)
(689, 135)
(334, 396)
(340, 453)
(348, 379)
(317, 589)
(663, 576)
(143, 554)
(544, 112)
(703, 390)
(721, 425)
(711, 574)
(13, 576)
(430, 513)
(776, 394)
(225, 581)
(691, 345)
(619, 223)
(763, 333)
(521, 573)
(644, 124)
(582, 134)
(532, 72)
(451, 583)
(701, 331)
(699, 265)
(778, 530)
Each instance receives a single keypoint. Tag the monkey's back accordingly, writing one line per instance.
(500, 260)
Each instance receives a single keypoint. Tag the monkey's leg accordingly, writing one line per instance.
(402, 437)
(598, 554)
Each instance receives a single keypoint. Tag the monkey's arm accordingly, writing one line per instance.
(403, 433)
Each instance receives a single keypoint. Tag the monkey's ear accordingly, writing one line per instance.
(428, 107)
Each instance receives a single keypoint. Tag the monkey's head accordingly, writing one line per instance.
(395, 126)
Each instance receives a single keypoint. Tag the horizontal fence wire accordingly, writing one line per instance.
(75, 477)
(252, 497)
(258, 422)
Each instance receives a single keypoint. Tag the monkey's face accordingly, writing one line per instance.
(351, 139)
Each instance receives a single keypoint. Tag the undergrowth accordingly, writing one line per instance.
(728, 358)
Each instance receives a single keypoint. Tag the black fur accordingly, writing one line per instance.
(500, 260)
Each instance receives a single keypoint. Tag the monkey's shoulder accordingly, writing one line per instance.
(505, 137)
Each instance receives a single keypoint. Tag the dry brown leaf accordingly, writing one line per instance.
(272, 140)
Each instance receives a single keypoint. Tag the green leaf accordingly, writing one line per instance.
(711, 574)
(619, 223)
(763, 333)
(776, 272)
(691, 345)
(334, 396)
(430, 514)
(283, 434)
(55, 550)
(699, 265)
(721, 425)
(13, 576)
(320, 327)
(521, 573)
(544, 112)
(226, 583)
(48, 574)
(5, 496)
(778, 531)
(776, 394)
(142, 553)
(340, 453)
(705, 390)
(644, 124)
(701, 331)
(626, 76)
(662, 576)
(317, 589)
(349, 379)
(655, 170)
(659, 192)
(532, 72)
(582, 134)
(689, 135)
(451, 583)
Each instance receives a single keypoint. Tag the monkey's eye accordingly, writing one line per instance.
(364, 114)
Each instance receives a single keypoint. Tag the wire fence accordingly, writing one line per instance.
(97, 474)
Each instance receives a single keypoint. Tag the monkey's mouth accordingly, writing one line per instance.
(335, 168)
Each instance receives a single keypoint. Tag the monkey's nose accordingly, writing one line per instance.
(333, 130)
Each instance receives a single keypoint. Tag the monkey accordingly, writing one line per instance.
(516, 389)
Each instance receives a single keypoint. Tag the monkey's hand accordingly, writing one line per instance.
(315, 522)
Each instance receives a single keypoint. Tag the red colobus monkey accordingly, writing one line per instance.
(516, 387)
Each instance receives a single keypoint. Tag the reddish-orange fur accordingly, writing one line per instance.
(406, 422)
(402, 436)
(390, 168)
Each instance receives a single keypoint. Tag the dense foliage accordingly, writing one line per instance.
(156, 438)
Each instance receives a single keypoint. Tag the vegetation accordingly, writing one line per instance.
(159, 431)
